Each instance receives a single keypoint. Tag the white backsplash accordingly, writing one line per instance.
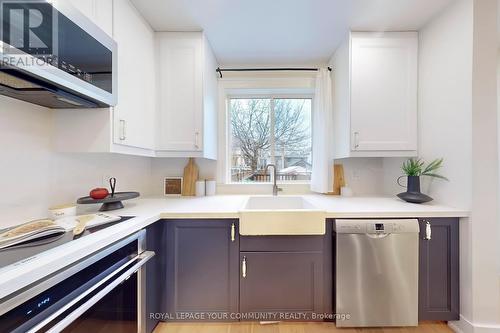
(365, 176)
(33, 177)
(174, 167)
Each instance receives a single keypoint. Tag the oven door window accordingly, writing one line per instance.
(112, 307)
(116, 312)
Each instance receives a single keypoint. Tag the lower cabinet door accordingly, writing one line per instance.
(281, 283)
(155, 275)
(202, 270)
(439, 269)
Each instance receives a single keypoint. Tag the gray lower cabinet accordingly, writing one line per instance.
(286, 274)
(202, 269)
(439, 269)
(281, 282)
(155, 275)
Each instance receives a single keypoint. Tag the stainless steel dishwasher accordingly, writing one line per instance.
(376, 272)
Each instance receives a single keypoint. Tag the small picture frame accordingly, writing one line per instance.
(172, 186)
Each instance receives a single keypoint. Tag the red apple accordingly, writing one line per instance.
(99, 193)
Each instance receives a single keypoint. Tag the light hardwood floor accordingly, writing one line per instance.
(255, 327)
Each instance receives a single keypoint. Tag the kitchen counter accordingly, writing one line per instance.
(229, 206)
(150, 210)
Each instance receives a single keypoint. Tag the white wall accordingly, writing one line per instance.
(485, 196)
(445, 100)
(445, 113)
(32, 177)
(25, 160)
(458, 121)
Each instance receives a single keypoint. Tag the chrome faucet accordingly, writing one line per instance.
(276, 189)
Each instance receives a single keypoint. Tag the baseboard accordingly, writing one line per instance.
(461, 326)
(466, 326)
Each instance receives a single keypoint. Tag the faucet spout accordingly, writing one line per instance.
(276, 189)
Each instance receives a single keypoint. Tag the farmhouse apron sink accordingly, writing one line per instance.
(280, 215)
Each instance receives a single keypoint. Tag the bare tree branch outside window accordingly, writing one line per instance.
(251, 126)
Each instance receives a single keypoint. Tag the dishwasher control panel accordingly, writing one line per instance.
(376, 226)
(379, 228)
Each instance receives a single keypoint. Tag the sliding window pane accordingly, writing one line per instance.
(250, 139)
(293, 139)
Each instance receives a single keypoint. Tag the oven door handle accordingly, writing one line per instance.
(59, 326)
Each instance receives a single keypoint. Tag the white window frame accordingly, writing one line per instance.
(272, 97)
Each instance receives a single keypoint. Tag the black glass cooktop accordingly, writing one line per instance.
(27, 250)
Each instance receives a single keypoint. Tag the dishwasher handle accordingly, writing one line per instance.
(378, 236)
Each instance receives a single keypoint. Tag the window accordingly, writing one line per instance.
(266, 131)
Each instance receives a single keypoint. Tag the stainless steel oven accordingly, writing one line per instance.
(104, 292)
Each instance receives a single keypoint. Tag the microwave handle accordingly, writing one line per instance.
(143, 258)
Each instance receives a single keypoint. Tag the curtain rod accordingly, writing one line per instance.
(220, 70)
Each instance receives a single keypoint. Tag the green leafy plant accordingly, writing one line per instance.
(417, 167)
(413, 167)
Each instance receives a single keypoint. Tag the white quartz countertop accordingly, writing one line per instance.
(150, 210)
(229, 206)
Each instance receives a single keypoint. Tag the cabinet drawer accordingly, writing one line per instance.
(282, 243)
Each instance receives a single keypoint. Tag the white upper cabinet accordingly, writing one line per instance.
(375, 95)
(99, 11)
(180, 89)
(130, 126)
(187, 95)
(134, 114)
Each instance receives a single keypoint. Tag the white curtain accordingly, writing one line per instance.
(322, 166)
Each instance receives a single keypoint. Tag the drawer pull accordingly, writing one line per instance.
(233, 232)
(123, 135)
(428, 231)
(196, 144)
(356, 140)
(244, 267)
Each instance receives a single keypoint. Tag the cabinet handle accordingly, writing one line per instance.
(428, 231)
(244, 267)
(196, 135)
(356, 140)
(123, 132)
(233, 232)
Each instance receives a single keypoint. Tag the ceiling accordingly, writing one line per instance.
(284, 32)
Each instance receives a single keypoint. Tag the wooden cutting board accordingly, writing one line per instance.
(191, 173)
(338, 178)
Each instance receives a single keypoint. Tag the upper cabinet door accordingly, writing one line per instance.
(134, 115)
(383, 97)
(180, 90)
(99, 11)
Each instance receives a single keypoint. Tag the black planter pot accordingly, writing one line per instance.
(413, 193)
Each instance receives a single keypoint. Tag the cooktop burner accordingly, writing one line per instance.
(27, 250)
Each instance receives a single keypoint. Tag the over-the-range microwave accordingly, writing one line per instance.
(53, 55)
